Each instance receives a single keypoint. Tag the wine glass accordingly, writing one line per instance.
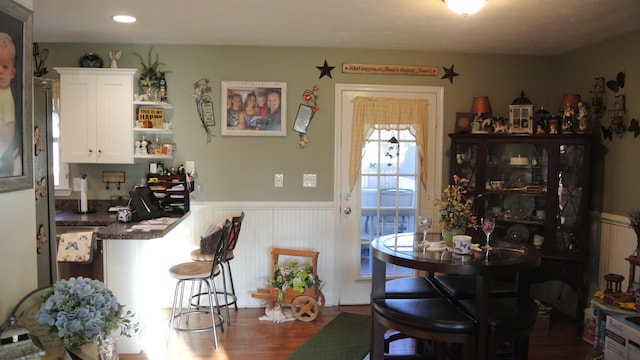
(424, 224)
(488, 224)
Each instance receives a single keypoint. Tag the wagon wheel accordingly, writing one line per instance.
(305, 308)
(320, 299)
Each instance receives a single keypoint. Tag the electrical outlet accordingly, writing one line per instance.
(278, 180)
(77, 184)
(309, 180)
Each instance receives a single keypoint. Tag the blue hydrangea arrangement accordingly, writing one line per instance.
(82, 310)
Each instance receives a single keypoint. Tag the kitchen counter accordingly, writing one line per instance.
(110, 229)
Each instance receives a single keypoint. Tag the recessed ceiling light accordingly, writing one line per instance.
(124, 18)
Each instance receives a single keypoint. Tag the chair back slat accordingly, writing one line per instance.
(236, 224)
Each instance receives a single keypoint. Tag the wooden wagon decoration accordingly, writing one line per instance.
(305, 305)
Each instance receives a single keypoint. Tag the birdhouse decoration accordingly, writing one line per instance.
(16, 343)
(521, 115)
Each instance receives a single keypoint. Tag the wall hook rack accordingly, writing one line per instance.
(116, 177)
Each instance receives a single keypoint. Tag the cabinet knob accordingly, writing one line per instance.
(90, 151)
(99, 151)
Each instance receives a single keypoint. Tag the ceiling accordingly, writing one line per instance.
(523, 27)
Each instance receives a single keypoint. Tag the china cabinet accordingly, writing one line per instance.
(96, 108)
(537, 187)
(152, 123)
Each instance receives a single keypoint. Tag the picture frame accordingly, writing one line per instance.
(16, 149)
(303, 118)
(265, 120)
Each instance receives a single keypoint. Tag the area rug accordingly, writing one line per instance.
(346, 337)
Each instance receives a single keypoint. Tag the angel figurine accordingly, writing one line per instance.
(114, 56)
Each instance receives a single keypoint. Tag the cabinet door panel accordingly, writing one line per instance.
(77, 101)
(113, 119)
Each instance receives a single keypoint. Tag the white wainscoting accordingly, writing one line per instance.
(616, 242)
(294, 225)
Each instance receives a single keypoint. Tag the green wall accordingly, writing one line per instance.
(242, 168)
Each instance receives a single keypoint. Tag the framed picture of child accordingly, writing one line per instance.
(254, 108)
(15, 97)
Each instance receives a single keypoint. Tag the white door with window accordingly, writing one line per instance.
(388, 195)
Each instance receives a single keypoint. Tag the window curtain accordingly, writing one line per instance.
(371, 113)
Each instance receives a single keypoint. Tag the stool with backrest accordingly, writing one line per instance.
(203, 254)
(201, 272)
(236, 224)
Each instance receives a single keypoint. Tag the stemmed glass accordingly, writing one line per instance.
(424, 224)
(488, 224)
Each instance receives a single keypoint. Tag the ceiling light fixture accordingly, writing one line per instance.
(465, 7)
(124, 18)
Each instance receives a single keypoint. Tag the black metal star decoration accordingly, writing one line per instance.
(449, 73)
(325, 70)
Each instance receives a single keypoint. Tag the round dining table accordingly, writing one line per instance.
(430, 255)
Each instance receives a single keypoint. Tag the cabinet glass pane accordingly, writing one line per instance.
(570, 194)
(466, 159)
(516, 189)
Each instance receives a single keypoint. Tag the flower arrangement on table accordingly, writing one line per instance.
(293, 275)
(456, 206)
(82, 311)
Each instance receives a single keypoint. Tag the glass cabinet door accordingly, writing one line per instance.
(570, 197)
(515, 193)
(465, 164)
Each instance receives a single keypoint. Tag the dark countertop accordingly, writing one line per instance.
(109, 227)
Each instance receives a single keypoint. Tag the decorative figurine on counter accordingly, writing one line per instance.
(500, 126)
(583, 119)
(115, 56)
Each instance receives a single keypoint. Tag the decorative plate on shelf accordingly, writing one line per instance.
(91, 60)
(518, 232)
(519, 178)
(520, 206)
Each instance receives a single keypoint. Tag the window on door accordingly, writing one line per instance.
(389, 184)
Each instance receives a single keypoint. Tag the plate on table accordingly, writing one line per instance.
(518, 232)
(520, 206)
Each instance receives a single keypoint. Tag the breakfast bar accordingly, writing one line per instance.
(125, 260)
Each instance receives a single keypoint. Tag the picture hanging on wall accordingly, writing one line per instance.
(254, 108)
(16, 148)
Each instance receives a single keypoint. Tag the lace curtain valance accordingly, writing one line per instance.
(371, 113)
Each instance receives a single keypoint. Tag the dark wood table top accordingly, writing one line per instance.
(407, 250)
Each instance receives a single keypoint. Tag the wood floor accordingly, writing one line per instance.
(249, 338)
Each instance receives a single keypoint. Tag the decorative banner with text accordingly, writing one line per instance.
(420, 70)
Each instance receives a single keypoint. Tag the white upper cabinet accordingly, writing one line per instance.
(96, 113)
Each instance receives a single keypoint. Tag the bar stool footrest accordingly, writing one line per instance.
(219, 321)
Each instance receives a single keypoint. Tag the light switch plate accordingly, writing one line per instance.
(278, 180)
(309, 180)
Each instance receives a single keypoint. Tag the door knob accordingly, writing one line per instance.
(347, 210)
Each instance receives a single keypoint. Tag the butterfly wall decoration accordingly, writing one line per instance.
(634, 128)
(618, 83)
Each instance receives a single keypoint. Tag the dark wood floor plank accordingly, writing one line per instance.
(249, 338)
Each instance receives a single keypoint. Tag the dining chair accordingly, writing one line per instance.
(201, 273)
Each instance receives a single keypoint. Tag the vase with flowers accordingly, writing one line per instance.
(83, 311)
(456, 214)
(634, 223)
